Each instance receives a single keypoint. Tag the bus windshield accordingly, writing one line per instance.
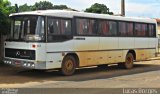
(27, 28)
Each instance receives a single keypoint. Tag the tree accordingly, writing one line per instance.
(60, 7)
(4, 16)
(4, 23)
(99, 8)
(42, 5)
(25, 7)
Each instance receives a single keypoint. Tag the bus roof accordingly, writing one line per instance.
(71, 14)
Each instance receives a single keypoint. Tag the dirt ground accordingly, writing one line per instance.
(144, 74)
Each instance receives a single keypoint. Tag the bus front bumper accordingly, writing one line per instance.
(30, 64)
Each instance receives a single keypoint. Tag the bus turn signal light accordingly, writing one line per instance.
(33, 46)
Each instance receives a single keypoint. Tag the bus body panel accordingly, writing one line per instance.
(86, 48)
(54, 60)
(19, 45)
(99, 57)
(141, 43)
(86, 43)
(144, 54)
(64, 46)
(108, 43)
(153, 43)
(126, 43)
(110, 47)
(55, 51)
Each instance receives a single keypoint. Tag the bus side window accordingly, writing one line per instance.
(144, 30)
(141, 30)
(51, 28)
(152, 32)
(122, 29)
(79, 26)
(130, 29)
(113, 28)
(137, 30)
(104, 28)
(54, 26)
(86, 26)
(66, 27)
(93, 27)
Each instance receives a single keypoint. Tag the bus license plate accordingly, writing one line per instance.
(17, 63)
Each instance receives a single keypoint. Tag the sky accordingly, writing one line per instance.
(134, 8)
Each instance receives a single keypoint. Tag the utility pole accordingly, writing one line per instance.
(17, 8)
(122, 7)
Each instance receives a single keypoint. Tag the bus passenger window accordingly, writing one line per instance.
(152, 32)
(144, 30)
(104, 27)
(59, 29)
(108, 28)
(113, 28)
(141, 30)
(53, 26)
(138, 30)
(122, 29)
(65, 27)
(86, 27)
(130, 29)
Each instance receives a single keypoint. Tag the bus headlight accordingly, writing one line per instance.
(5, 61)
(25, 64)
(10, 62)
(33, 65)
(29, 65)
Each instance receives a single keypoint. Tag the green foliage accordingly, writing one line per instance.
(60, 7)
(42, 5)
(24, 8)
(12, 9)
(4, 16)
(99, 8)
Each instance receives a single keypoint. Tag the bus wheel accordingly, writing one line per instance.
(68, 66)
(129, 61)
(128, 64)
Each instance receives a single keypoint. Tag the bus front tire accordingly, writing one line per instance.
(68, 66)
(128, 64)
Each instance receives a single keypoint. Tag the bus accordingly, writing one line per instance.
(67, 40)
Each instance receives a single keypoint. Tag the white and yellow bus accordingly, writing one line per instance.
(66, 40)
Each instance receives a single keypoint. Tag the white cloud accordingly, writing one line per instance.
(143, 10)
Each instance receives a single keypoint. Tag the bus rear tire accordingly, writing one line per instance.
(68, 66)
(128, 64)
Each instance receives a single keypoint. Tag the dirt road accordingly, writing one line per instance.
(87, 77)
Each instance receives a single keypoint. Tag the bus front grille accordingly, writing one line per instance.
(20, 53)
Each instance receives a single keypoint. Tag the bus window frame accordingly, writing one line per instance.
(88, 18)
(13, 19)
(61, 18)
